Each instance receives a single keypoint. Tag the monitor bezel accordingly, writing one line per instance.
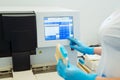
(40, 27)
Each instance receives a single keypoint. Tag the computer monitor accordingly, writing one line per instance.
(55, 25)
(58, 28)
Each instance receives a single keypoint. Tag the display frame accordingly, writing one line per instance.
(40, 27)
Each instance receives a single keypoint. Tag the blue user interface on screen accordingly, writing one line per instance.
(57, 28)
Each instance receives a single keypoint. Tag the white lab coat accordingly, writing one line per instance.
(109, 65)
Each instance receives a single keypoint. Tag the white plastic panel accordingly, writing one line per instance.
(41, 31)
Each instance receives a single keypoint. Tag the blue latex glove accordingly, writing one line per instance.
(79, 46)
(71, 72)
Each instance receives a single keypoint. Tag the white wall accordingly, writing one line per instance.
(92, 12)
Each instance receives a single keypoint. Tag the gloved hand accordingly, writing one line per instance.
(79, 46)
(71, 72)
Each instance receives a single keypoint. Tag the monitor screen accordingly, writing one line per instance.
(58, 28)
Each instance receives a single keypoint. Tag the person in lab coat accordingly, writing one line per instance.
(109, 66)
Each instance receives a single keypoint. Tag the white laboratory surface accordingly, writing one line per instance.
(48, 76)
(6, 79)
(28, 75)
